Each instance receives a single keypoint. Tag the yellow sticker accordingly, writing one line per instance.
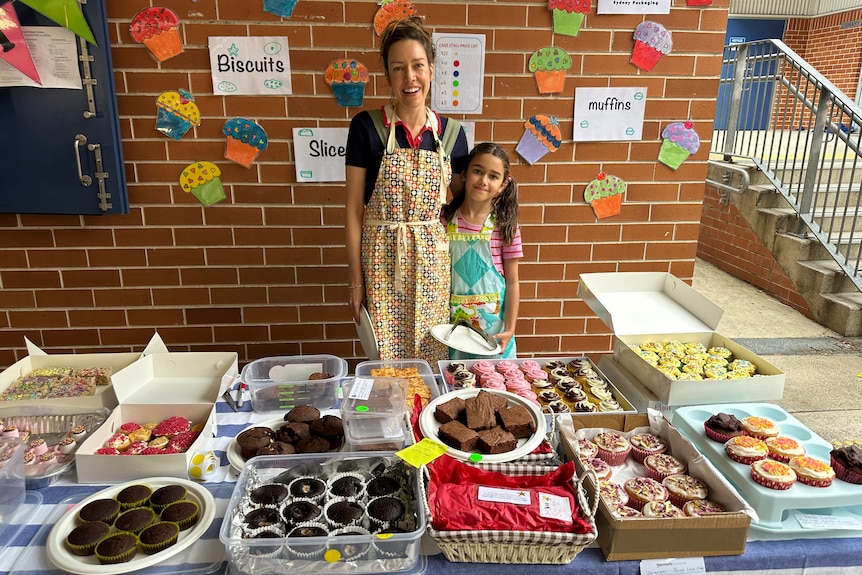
(422, 453)
(332, 556)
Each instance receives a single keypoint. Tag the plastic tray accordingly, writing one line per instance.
(422, 368)
(776, 509)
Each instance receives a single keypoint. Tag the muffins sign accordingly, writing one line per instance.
(549, 64)
(542, 135)
(605, 195)
(680, 141)
(157, 28)
(245, 139)
(652, 41)
(568, 15)
(347, 78)
(202, 180)
(177, 113)
(390, 11)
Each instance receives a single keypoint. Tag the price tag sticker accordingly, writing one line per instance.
(680, 566)
(422, 453)
(361, 388)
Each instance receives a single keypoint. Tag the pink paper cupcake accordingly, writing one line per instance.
(661, 465)
(613, 447)
(722, 426)
(652, 41)
(642, 490)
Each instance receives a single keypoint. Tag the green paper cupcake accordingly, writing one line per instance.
(104, 510)
(82, 539)
(164, 496)
(117, 548)
(133, 496)
(159, 536)
(135, 520)
(183, 513)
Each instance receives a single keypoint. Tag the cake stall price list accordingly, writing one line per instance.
(459, 70)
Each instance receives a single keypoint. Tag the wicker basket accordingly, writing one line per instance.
(515, 547)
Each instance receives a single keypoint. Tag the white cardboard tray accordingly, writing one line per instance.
(776, 509)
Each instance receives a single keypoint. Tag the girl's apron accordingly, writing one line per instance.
(405, 254)
(478, 289)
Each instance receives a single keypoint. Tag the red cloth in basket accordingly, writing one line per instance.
(454, 503)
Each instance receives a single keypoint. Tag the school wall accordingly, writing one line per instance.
(264, 272)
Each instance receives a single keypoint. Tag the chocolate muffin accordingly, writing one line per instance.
(385, 509)
(252, 440)
(319, 375)
(277, 448)
(327, 426)
(308, 531)
(261, 517)
(293, 432)
(104, 510)
(82, 539)
(159, 536)
(183, 513)
(314, 444)
(302, 414)
(344, 513)
(308, 487)
(390, 547)
(134, 496)
(164, 496)
(269, 493)
(117, 548)
(382, 485)
(135, 520)
(347, 486)
(300, 511)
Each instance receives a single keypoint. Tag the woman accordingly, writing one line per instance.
(400, 161)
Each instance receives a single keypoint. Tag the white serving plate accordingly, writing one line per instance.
(234, 456)
(64, 559)
(367, 337)
(463, 339)
(429, 426)
(776, 509)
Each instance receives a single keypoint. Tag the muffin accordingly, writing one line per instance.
(82, 539)
(783, 449)
(104, 510)
(722, 426)
(664, 509)
(117, 548)
(269, 494)
(661, 465)
(773, 474)
(759, 427)
(349, 551)
(302, 414)
(293, 432)
(382, 485)
(165, 495)
(613, 493)
(587, 449)
(811, 471)
(384, 510)
(642, 490)
(183, 513)
(252, 440)
(613, 447)
(261, 517)
(343, 513)
(698, 507)
(135, 520)
(847, 463)
(302, 550)
(301, 511)
(307, 487)
(159, 536)
(625, 511)
(346, 485)
(386, 546)
(746, 449)
(644, 444)
(684, 488)
(133, 496)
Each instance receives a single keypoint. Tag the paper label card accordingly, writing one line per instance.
(609, 114)
(634, 6)
(319, 154)
(422, 453)
(679, 566)
(555, 507)
(459, 73)
(250, 65)
(497, 495)
(361, 388)
(823, 522)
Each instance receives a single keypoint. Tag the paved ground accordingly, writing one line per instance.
(824, 369)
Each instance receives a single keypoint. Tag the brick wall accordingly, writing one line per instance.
(264, 272)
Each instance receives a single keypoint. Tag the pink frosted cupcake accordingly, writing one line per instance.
(538, 377)
(483, 366)
(492, 380)
(642, 490)
(773, 474)
(505, 366)
(661, 465)
(746, 449)
(847, 463)
(644, 444)
(530, 365)
(684, 488)
(613, 447)
(587, 449)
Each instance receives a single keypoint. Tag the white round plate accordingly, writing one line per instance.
(64, 559)
(463, 339)
(234, 456)
(367, 337)
(429, 425)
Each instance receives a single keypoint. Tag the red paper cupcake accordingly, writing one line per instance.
(759, 427)
(157, 28)
(784, 449)
(773, 474)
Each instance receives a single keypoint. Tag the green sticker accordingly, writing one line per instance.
(475, 457)
(361, 408)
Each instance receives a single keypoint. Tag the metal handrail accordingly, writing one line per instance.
(803, 134)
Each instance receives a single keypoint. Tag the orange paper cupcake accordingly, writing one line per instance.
(157, 28)
(549, 65)
(245, 139)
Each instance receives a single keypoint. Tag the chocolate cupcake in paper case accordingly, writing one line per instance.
(298, 549)
(391, 11)
(847, 463)
(157, 28)
(177, 113)
(680, 141)
(605, 195)
(120, 547)
(347, 551)
(652, 41)
(202, 180)
(542, 135)
(347, 78)
(244, 140)
(82, 539)
(158, 536)
(568, 15)
(549, 65)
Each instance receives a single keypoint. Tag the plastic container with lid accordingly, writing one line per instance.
(373, 410)
(12, 487)
(398, 367)
(283, 382)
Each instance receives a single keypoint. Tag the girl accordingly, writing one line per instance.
(485, 245)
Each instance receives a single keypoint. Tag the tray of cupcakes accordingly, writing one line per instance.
(556, 385)
(325, 513)
(799, 485)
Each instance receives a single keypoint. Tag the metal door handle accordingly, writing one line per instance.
(85, 180)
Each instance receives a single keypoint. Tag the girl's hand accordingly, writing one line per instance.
(503, 339)
(357, 298)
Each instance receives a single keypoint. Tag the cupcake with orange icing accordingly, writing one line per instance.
(784, 449)
(811, 471)
(177, 113)
(347, 78)
(391, 11)
(746, 449)
(759, 427)
(157, 28)
(202, 180)
(542, 135)
(773, 474)
(549, 66)
(245, 139)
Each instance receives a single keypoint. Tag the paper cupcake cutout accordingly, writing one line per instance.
(177, 113)
(652, 41)
(283, 8)
(542, 135)
(680, 141)
(201, 179)
(347, 79)
(568, 15)
(605, 195)
(390, 11)
(157, 28)
(549, 65)
(245, 139)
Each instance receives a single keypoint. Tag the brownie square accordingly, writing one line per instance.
(480, 412)
(498, 402)
(518, 421)
(496, 440)
(452, 410)
(456, 434)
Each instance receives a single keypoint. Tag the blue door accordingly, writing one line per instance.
(757, 97)
(51, 135)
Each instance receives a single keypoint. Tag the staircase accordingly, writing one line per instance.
(786, 154)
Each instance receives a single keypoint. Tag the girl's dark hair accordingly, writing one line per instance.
(505, 206)
(405, 29)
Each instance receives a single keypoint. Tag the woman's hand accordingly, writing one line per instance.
(357, 298)
(503, 338)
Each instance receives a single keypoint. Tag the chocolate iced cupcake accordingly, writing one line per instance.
(722, 426)
(82, 539)
(159, 536)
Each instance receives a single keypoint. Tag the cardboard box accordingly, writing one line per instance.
(649, 538)
(641, 398)
(105, 395)
(154, 388)
(656, 306)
